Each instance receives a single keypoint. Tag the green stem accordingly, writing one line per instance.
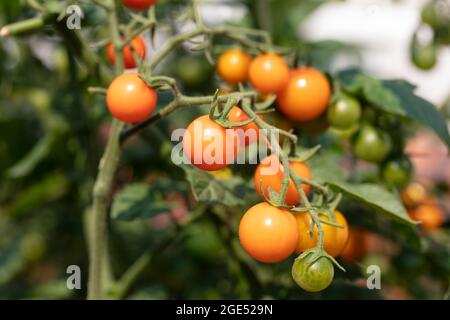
(25, 26)
(109, 162)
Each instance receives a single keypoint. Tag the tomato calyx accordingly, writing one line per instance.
(311, 256)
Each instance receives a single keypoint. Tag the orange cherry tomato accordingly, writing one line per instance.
(138, 4)
(248, 133)
(268, 234)
(356, 247)
(232, 66)
(271, 173)
(208, 145)
(306, 96)
(130, 99)
(414, 194)
(139, 48)
(269, 73)
(334, 240)
(430, 214)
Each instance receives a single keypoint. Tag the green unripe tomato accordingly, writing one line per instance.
(372, 145)
(397, 172)
(315, 277)
(430, 14)
(192, 71)
(202, 242)
(424, 56)
(344, 113)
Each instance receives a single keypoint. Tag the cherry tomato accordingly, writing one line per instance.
(268, 234)
(430, 214)
(232, 66)
(248, 133)
(424, 56)
(414, 194)
(138, 4)
(306, 95)
(397, 172)
(356, 247)
(344, 113)
(208, 145)
(130, 99)
(271, 173)
(335, 238)
(372, 145)
(269, 73)
(139, 48)
(193, 72)
(315, 277)
(430, 14)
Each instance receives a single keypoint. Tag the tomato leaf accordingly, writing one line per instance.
(325, 170)
(139, 201)
(396, 97)
(207, 188)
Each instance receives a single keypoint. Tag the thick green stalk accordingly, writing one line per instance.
(98, 249)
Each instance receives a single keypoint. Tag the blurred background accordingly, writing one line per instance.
(52, 134)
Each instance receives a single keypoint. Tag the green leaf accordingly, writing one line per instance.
(325, 170)
(207, 188)
(396, 97)
(419, 109)
(139, 201)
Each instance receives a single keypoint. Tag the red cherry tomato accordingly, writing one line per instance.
(130, 99)
(208, 145)
(248, 133)
(306, 96)
(139, 48)
(271, 173)
(138, 4)
(268, 73)
(267, 233)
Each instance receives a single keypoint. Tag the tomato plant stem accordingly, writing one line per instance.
(104, 182)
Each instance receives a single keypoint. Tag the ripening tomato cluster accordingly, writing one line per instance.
(128, 97)
(303, 94)
(423, 207)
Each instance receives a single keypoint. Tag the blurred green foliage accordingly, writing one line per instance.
(52, 133)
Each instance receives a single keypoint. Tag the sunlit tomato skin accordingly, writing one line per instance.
(335, 238)
(267, 233)
(271, 173)
(139, 48)
(138, 4)
(208, 145)
(248, 133)
(233, 65)
(315, 277)
(130, 99)
(356, 247)
(306, 95)
(430, 214)
(269, 73)
(372, 144)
